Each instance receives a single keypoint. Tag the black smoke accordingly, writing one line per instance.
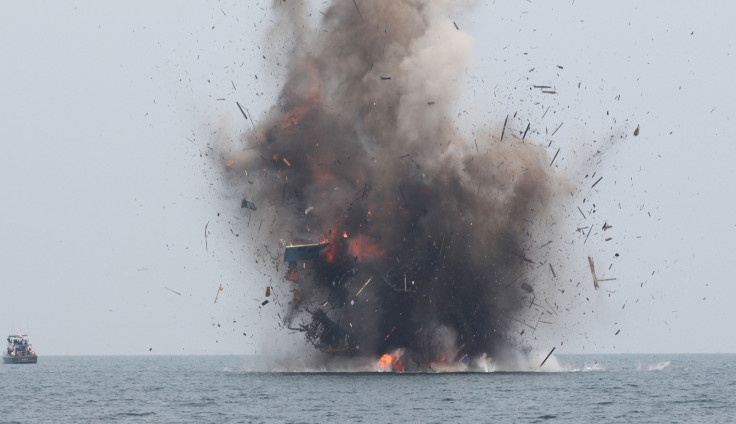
(426, 229)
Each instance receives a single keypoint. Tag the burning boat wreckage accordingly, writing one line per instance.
(415, 239)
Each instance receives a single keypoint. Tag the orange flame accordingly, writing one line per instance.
(331, 249)
(345, 234)
(391, 362)
(362, 248)
(229, 163)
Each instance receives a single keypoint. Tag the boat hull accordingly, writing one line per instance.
(30, 359)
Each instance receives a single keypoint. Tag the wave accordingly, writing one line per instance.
(659, 366)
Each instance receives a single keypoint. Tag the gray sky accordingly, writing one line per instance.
(108, 111)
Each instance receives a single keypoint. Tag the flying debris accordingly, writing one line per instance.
(247, 204)
(218, 293)
(303, 252)
(547, 357)
(326, 335)
(173, 291)
(596, 280)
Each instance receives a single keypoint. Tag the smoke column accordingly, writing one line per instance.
(425, 229)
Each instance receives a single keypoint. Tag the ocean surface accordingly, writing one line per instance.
(222, 389)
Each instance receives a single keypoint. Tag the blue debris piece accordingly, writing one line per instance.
(466, 360)
(247, 204)
(303, 252)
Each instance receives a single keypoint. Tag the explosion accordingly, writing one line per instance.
(417, 233)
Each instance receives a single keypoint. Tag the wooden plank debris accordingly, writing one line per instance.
(547, 357)
(364, 285)
(173, 291)
(245, 115)
(592, 271)
(596, 182)
(596, 280)
(504, 126)
(555, 131)
(553, 159)
(218, 292)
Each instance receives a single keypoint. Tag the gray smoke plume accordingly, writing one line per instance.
(425, 229)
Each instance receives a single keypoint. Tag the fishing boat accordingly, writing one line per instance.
(19, 350)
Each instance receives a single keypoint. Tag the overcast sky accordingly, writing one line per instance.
(108, 182)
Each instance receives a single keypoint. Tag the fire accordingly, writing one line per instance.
(330, 251)
(391, 361)
(229, 163)
(345, 234)
(362, 248)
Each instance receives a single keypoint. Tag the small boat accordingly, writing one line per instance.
(19, 350)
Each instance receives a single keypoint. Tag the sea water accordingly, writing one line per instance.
(222, 389)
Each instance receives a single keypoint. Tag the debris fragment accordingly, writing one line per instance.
(592, 271)
(553, 159)
(596, 280)
(556, 129)
(617, 331)
(326, 335)
(527, 287)
(504, 126)
(218, 293)
(173, 291)
(636, 131)
(206, 248)
(247, 204)
(244, 114)
(596, 182)
(361, 289)
(268, 291)
(264, 303)
(547, 357)
(303, 252)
